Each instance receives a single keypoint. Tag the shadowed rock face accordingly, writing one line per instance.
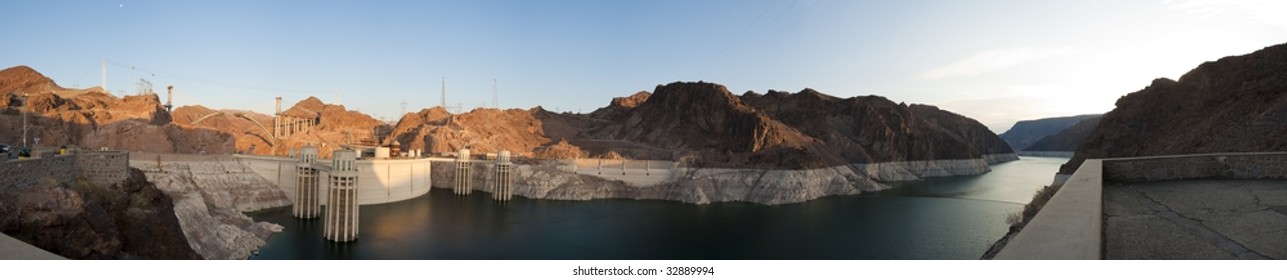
(706, 120)
(869, 129)
(1235, 104)
(132, 220)
(1026, 133)
(1068, 139)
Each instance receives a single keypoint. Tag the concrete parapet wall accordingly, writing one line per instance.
(29, 171)
(1198, 166)
(1070, 226)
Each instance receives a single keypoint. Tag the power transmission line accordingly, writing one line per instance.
(204, 80)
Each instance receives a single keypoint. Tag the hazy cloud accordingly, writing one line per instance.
(1029, 101)
(1267, 12)
(992, 60)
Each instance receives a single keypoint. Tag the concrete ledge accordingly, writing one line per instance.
(1070, 226)
(14, 249)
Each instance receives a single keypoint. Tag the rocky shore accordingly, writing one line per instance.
(210, 194)
(549, 180)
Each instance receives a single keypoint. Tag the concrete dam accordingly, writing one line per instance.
(347, 182)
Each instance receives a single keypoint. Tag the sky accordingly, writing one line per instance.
(995, 61)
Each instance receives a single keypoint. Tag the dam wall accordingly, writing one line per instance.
(640, 173)
(1063, 154)
(379, 181)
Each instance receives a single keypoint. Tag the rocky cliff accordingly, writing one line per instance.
(1234, 104)
(705, 126)
(80, 220)
(1025, 133)
(872, 129)
(210, 194)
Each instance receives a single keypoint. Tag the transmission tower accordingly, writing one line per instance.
(443, 102)
(495, 103)
(145, 87)
(169, 95)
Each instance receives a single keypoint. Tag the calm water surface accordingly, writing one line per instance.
(945, 218)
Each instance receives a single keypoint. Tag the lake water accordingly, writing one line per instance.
(943, 218)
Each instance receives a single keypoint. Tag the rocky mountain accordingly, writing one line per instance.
(870, 129)
(705, 125)
(1234, 104)
(93, 118)
(484, 130)
(1024, 133)
(336, 126)
(705, 122)
(1068, 139)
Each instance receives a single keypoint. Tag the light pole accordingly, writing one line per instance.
(25, 96)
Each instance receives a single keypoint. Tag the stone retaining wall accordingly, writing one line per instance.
(99, 167)
(103, 167)
(29, 171)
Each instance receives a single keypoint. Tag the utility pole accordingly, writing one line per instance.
(105, 77)
(25, 96)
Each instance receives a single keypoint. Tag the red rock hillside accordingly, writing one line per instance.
(92, 118)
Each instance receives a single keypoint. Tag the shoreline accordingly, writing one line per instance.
(549, 180)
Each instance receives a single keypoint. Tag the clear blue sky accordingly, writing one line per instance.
(995, 61)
